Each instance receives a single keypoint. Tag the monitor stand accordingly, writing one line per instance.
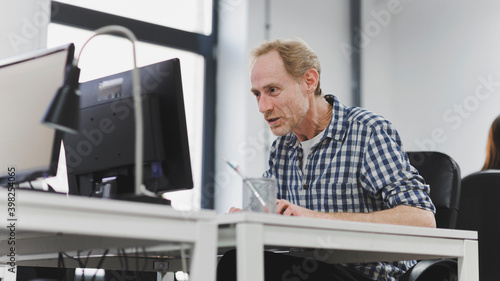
(143, 199)
(115, 188)
(119, 188)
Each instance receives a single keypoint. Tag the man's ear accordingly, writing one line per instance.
(311, 80)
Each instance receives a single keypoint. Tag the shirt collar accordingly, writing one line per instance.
(336, 129)
(338, 125)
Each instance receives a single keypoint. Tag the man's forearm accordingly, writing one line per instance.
(401, 215)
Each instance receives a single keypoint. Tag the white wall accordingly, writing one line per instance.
(427, 70)
(324, 25)
(23, 26)
(242, 134)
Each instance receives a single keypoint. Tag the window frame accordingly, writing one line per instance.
(205, 45)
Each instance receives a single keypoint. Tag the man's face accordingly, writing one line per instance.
(281, 98)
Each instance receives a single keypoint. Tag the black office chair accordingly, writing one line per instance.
(480, 211)
(432, 270)
(442, 174)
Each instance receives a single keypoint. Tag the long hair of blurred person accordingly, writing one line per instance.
(493, 147)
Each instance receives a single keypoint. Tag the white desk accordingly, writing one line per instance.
(348, 241)
(51, 223)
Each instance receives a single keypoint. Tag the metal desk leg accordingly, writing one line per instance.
(468, 267)
(250, 252)
(168, 276)
(204, 263)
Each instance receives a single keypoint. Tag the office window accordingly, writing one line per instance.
(188, 15)
(182, 34)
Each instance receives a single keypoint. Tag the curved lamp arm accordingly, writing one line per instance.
(136, 90)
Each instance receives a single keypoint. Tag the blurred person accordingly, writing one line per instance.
(493, 147)
(330, 161)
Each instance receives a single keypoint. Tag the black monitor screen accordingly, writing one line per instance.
(104, 148)
(27, 85)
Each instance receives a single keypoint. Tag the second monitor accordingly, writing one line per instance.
(100, 158)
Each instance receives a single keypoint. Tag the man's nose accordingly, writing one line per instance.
(265, 104)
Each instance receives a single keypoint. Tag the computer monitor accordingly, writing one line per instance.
(28, 83)
(100, 158)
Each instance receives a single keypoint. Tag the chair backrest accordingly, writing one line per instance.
(480, 211)
(442, 174)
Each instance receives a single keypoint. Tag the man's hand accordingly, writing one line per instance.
(288, 209)
(285, 208)
(234, 210)
(402, 215)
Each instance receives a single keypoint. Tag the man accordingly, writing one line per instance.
(331, 161)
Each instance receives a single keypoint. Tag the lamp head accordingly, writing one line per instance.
(62, 113)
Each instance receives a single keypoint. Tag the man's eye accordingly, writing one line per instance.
(257, 94)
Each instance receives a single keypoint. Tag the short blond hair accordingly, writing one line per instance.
(297, 56)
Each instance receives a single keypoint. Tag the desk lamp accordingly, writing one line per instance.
(62, 113)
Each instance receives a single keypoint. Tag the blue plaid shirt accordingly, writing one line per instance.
(359, 165)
